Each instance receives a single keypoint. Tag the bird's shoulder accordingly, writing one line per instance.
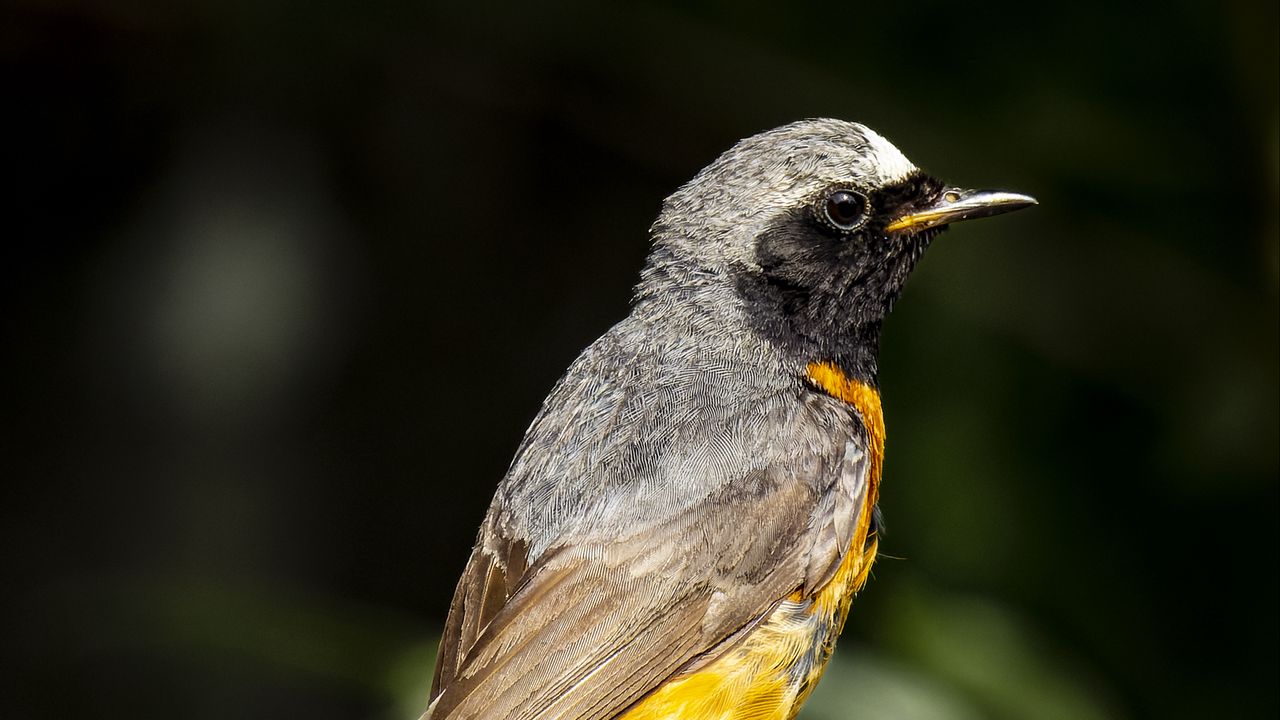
(749, 477)
(648, 422)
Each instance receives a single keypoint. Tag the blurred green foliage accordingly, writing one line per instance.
(285, 282)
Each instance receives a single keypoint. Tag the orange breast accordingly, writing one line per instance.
(769, 674)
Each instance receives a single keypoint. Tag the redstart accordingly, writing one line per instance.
(685, 525)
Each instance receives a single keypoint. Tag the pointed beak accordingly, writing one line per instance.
(954, 205)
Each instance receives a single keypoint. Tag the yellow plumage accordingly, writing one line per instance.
(758, 679)
(769, 673)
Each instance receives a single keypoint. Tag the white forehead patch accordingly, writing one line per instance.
(891, 165)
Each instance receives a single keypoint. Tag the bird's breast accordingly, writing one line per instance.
(768, 674)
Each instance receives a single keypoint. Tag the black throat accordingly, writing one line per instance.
(823, 296)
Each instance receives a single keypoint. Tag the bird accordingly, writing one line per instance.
(683, 529)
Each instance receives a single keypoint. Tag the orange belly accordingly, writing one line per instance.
(768, 674)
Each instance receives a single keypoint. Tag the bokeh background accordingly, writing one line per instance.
(284, 282)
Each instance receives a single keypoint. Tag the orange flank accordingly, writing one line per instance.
(768, 674)
(866, 399)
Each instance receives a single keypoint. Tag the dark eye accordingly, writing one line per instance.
(846, 210)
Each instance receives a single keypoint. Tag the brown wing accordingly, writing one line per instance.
(585, 631)
(488, 581)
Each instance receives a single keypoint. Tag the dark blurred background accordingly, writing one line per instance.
(284, 282)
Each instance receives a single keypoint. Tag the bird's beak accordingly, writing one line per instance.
(954, 205)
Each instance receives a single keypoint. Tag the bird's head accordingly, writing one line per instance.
(816, 225)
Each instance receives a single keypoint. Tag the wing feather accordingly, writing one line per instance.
(652, 516)
(591, 629)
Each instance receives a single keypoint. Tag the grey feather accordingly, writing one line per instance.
(680, 479)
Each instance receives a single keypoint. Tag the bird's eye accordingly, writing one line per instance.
(846, 210)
